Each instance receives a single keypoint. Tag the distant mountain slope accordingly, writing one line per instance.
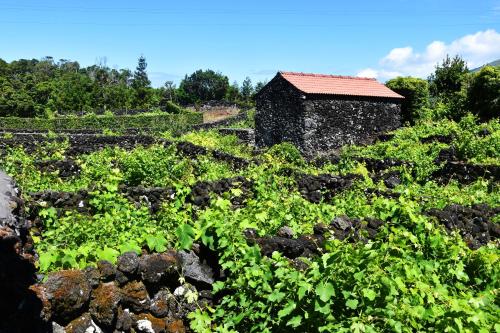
(493, 63)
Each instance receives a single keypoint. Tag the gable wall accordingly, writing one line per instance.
(279, 114)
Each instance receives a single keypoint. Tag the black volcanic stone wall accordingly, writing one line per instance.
(331, 123)
(279, 116)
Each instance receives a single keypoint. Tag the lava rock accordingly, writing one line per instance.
(135, 295)
(107, 270)
(342, 223)
(473, 223)
(157, 267)
(162, 302)
(285, 232)
(290, 248)
(56, 328)
(121, 278)
(147, 323)
(45, 313)
(83, 324)
(124, 320)
(176, 326)
(93, 276)
(104, 304)
(68, 293)
(195, 271)
(128, 263)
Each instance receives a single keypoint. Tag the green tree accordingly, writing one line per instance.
(483, 94)
(247, 89)
(141, 84)
(233, 93)
(168, 92)
(448, 85)
(141, 79)
(416, 94)
(72, 92)
(449, 77)
(258, 86)
(202, 86)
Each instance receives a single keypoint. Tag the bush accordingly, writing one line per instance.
(483, 94)
(173, 108)
(415, 92)
(156, 121)
(286, 152)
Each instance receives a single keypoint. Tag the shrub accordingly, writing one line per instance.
(287, 153)
(157, 121)
(483, 94)
(173, 108)
(415, 92)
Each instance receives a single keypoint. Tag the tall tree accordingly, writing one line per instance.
(141, 79)
(141, 83)
(449, 77)
(169, 90)
(233, 93)
(447, 85)
(246, 89)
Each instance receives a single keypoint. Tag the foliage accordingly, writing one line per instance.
(247, 89)
(248, 122)
(160, 121)
(471, 143)
(203, 86)
(466, 139)
(483, 94)
(287, 153)
(36, 88)
(214, 140)
(31, 87)
(141, 83)
(412, 277)
(448, 85)
(448, 77)
(404, 281)
(416, 94)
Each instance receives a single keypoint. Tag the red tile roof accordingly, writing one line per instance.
(338, 85)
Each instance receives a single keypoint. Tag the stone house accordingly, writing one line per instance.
(319, 113)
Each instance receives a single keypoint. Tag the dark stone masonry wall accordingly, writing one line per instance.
(149, 293)
(279, 115)
(332, 123)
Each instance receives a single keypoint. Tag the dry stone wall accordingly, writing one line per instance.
(151, 292)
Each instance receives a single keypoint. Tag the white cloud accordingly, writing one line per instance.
(398, 56)
(368, 72)
(374, 73)
(476, 49)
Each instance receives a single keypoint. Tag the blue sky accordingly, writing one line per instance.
(254, 38)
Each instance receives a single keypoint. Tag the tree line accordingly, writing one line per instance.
(42, 88)
(451, 91)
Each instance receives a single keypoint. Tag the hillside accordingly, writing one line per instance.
(203, 230)
(493, 63)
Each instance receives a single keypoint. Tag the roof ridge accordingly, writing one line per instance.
(327, 75)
